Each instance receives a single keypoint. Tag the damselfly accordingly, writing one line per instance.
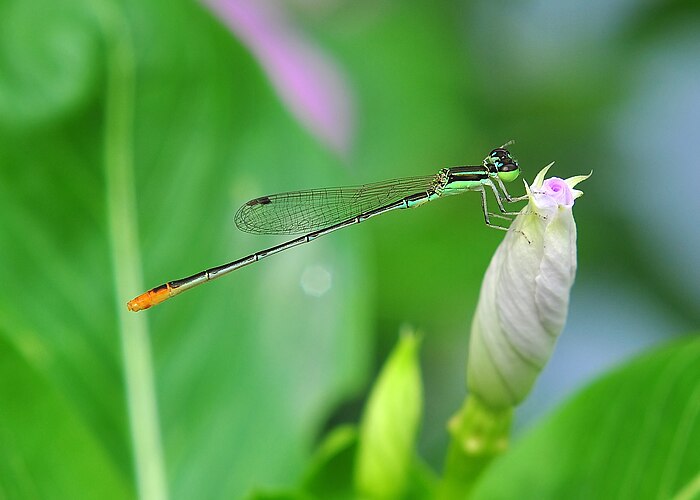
(317, 212)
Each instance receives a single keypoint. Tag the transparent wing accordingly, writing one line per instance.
(298, 212)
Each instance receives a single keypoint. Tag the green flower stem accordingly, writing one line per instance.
(478, 435)
(126, 259)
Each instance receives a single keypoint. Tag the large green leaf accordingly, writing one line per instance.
(633, 434)
(245, 370)
(48, 449)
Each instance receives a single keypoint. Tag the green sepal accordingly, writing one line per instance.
(478, 435)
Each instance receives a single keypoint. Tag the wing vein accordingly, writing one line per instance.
(297, 212)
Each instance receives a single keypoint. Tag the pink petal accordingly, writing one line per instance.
(559, 191)
(308, 82)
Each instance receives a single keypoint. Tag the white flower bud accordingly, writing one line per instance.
(525, 295)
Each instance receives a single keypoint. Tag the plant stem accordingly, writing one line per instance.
(479, 434)
(126, 261)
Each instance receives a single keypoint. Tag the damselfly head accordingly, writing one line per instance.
(501, 163)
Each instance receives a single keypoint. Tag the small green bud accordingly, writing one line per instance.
(390, 423)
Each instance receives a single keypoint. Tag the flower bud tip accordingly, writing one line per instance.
(539, 178)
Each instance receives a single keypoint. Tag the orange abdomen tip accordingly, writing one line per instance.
(149, 298)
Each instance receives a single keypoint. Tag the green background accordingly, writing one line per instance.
(251, 371)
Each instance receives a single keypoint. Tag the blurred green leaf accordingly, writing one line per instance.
(49, 62)
(635, 433)
(246, 370)
(48, 450)
(330, 474)
(261, 495)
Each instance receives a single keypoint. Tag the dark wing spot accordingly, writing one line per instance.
(259, 201)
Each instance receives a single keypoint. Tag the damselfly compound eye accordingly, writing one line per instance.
(498, 158)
